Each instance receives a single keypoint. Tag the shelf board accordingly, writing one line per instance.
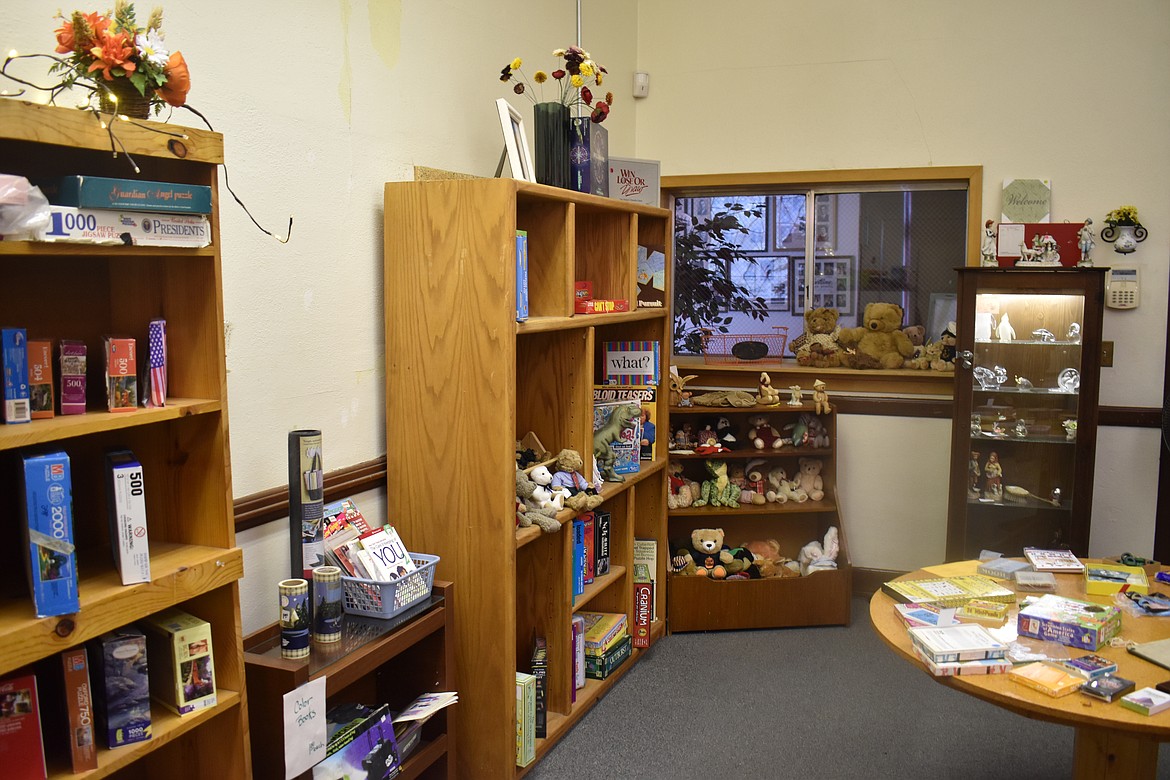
(608, 490)
(783, 452)
(181, 572)
(1025, 503)
(427, 753)
(598, 585)
(783, 406)
(545, 324)
(165, 726)
(1029, 343)
(73, 425)
(790, 507)
(1039, 439)
(1039, 392)
(100, 251)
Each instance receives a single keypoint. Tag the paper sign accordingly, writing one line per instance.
(305, 734)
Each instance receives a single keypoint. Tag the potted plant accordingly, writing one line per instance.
(1124, 229)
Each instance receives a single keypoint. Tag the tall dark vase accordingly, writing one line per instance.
(552, 143)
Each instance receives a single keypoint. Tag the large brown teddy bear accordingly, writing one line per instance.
(878, 342)
(818, 344)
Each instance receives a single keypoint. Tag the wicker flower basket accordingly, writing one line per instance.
(129, 101)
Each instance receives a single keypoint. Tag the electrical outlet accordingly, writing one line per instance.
(1106, 354)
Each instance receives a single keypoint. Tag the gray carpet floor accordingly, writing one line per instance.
(804, 703)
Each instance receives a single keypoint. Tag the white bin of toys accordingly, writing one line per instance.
(387, 599)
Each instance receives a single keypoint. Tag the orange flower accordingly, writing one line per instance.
(91, 27)
(174, 91)
(114, 51)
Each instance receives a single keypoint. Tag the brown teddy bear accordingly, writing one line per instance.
(819, 343)
(878, 342)
(582, 496)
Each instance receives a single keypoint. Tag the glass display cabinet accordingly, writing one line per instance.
(1025, 414)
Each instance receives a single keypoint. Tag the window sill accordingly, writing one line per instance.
(893, 383)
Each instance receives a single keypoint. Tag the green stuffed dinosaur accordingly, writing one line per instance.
(719, 490)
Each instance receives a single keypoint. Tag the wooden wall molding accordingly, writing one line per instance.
(272, 504)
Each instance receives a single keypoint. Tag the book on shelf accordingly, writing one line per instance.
(601, 541)
(126, 505)
(426, 705)
(626, 448)
(342, 523)
(364, 747)
(72, 354)
(1053, 560)
(916, 615)
(1049, 678)
(587, 560)
(1070, 622)
(645, 563)
(962, 642)
(1108, 688)
(603, 630)
(99, 192)
(22, 747)
(1002, 568)
(651, 277)
(1090, 666)
(643, 607)
(521, 275)
(949, 591)
(40, 379)
(1036, 581)
(578, 640)
(14, 361)
(645, 396)
(631, 362)
(48, 534)
(540, 672)
(598, 667)
(956, 668)
(525, 719)
(79, 706)
(578, 556)
(121, 374)
(1147, 701)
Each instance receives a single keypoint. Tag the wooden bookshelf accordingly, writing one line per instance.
(85, 292)
(465, 382)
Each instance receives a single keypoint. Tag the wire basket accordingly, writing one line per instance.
(745, 347)
(387, 599)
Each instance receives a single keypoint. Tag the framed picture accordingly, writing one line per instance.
(788, 230)
(826, 222)
(834, 284)
(515, 142)
(767, 278)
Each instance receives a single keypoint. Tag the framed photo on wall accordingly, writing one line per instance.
(516, 150)
(834, 284)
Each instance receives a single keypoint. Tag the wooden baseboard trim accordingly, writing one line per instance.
(867, 582)
(272, 504)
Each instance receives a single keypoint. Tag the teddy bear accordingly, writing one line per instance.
(877, 343)
(946, 358)
(809, 479)
(762, 435)
(819, 344)
(683, 491)
(757, 482)
(717, 491)
(708, 555)
(528, 511)
(580, 494)
(546, 495)
(782, 490)
(923, 356)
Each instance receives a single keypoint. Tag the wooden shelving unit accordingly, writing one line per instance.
(465, 381)
(822, 598)
(85, 292)
(376, 662)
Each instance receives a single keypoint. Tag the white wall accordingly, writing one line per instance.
(320, 103)
(1074, 91)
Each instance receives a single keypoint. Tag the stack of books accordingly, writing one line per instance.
(959, 649)
(607, 643)
(361, 550)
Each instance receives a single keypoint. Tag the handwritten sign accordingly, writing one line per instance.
(304, 728)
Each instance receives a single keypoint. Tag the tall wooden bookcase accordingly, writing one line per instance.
(465, 381)
(85, 292)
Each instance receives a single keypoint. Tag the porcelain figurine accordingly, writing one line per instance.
(1086, 243)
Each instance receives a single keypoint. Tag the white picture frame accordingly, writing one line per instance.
(515, 142)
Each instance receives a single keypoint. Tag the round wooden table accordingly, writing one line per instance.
(1111, 741)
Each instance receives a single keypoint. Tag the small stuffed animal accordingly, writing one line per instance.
(717, 491)
(946, 357)
(723, 431)
(580, 494)
(757, 482)
(528, 512)
(878, 342)
(820, 556)
(769, 396)
(762, 435)
(809, 478)
(781, 489)
(679, 395)
(545, 495)
(709, 553)
(683, 491)
(819, 345)
(816, 435)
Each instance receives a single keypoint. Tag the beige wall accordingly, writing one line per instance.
(1071, 91)
(321, 103)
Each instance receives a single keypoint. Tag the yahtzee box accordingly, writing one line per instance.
(48, 505)
(182, 660)
(1069, 622)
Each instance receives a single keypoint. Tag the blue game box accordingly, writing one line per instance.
(48, 501)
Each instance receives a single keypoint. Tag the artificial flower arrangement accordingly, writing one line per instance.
(104, 52)
(1123, 215)
(573, 79)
